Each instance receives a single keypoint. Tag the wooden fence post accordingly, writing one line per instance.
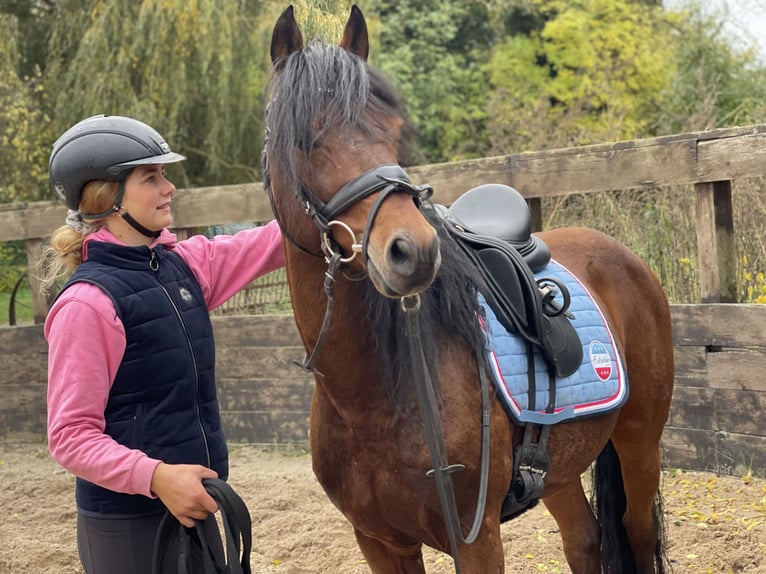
(715, 242)
(536, 212)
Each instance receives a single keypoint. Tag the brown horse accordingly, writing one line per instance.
(364, 248)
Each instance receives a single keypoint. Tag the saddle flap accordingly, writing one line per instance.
(562, 344)
(516, 301)
(507, 297)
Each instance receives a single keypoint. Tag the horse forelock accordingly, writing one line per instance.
(318, 89)
(449, 308)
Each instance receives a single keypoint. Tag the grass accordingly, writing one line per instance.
(24, 313)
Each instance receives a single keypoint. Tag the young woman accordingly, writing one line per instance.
(132, 407)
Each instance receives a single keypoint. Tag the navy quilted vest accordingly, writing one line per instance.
(163, 400)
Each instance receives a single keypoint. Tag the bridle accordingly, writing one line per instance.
(387, 179)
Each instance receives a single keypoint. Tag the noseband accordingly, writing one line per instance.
(385, 179)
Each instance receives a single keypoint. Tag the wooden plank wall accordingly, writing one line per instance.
(716, 422)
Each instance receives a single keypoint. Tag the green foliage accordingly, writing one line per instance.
(421, 46)
(715, 84)
(189, 69)
(22, 307)
(755, 286)
(24, 126)
(479, 77)
(749, 201)
(595, 71)
(321, 19)
(13, 263)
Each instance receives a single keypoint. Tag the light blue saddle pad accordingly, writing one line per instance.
(598, 386)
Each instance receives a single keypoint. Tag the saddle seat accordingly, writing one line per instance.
(500, 212)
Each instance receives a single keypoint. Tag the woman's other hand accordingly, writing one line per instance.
(179, 487)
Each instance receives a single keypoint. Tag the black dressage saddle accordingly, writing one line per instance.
(492, 224)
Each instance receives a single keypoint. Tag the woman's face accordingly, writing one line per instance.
(148, 196)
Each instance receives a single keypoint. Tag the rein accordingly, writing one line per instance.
(429, 412)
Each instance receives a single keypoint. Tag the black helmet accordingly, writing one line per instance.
(104, 148)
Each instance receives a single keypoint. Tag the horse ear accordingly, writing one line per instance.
(355, 34)
(287, 37)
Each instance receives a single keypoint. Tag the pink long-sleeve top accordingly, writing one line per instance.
(86, 343)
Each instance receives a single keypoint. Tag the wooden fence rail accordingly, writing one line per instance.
(716, 420)
(710, 160)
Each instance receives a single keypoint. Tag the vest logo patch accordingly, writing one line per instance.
(600, 359)
(185, 294)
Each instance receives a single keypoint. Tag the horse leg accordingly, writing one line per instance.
(641, 467)
(485, 554)
(636, 440)
(389, 557)
(578, 526)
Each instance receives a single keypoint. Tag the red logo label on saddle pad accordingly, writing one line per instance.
(600, 359)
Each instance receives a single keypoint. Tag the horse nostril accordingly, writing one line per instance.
(407, 258)
(400, 256)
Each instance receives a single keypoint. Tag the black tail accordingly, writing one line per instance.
(608, 503)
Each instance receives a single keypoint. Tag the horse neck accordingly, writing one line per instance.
(346, 359)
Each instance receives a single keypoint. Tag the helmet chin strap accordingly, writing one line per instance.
(138, 227)
(125, 215)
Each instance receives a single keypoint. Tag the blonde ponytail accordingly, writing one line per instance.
(64, 254)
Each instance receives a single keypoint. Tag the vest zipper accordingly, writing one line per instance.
(154, 265)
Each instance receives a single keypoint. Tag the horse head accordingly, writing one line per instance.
(334, 128)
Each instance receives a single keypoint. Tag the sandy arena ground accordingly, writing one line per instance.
(715, 524)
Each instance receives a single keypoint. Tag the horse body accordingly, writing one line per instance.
(331, 125)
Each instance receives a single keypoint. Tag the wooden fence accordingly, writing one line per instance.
(716, 421)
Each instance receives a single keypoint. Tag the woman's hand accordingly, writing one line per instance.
(179, 487)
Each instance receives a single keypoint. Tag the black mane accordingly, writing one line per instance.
(319, 88)
(449, 308)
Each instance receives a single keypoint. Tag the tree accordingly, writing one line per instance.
(715, 84)
(596, 71)
(24, 126)
(432, 51)
(321, 19)
(192, 70)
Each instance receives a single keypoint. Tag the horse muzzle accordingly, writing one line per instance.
(406, 264)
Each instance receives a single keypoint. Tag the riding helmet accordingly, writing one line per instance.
(103, 148)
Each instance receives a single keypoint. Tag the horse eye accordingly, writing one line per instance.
(309, 145)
